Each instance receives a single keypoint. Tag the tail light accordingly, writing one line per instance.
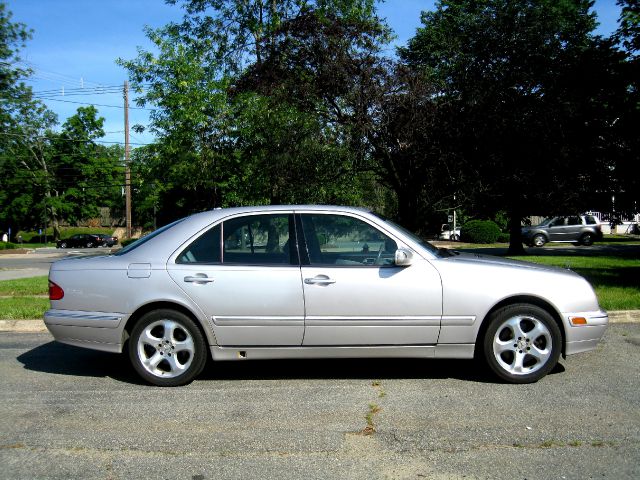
(55, 291)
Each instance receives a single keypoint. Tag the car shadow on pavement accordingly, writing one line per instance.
(60, 359)
(357, 369)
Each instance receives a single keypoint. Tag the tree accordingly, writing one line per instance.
(531, 122)
(212, 116)
(86, 175)
(628, 32)
(24, 137)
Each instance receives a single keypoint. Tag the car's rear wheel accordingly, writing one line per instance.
(89, 244)
(167, 348)
(538, 240)
(586, 239)
(63, 244)
(455, 238)
(522, 343)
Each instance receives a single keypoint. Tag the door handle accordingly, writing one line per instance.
(319, 280)
(198, 278)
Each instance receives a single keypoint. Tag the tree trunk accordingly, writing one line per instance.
(515, 242)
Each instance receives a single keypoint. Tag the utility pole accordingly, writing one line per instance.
(127, 170)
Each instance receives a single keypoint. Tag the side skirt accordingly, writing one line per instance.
(405, 351)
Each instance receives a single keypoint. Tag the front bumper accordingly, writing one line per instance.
(586, 336)
(95, 330)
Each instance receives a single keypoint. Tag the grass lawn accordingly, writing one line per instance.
(24, 287)
(23, 298)
(18, 308)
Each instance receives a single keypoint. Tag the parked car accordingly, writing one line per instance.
(577, 229)
(87, 240)
(448, 233)
(107, 240)
(311, 282)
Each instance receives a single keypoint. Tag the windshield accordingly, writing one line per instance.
(146, 238)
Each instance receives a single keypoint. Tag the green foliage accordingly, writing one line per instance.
(232, 128)
(8, 246)
(25, 286)
(480, 231)
(33, 236)
(504, 237)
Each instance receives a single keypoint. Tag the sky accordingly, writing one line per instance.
(76, 42)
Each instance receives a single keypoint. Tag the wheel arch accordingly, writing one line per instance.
(520, 299)
(164, 304)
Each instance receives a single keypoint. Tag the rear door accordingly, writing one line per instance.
(244, 274)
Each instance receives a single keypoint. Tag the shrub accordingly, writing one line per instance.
(480, 231)
(7, 246)
(504, 237)
(127, 241)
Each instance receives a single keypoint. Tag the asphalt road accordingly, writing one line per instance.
(74, 413)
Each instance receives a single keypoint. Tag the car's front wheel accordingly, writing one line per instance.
(167, 348)
(522, 343)
(63, 245)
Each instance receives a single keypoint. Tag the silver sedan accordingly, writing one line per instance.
(315, 282)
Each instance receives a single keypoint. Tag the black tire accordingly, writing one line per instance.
(538, 240)
(522, 343)
(63, 245)
(89, 244)
(179, 355)
(586, 239)
(455, 238)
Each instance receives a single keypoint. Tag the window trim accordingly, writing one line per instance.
(304, 249)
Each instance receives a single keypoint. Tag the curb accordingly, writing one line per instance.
(37, 325)
(22, 326)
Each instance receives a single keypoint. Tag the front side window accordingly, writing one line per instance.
(345, 241)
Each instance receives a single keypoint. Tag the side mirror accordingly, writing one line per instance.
(403, 257)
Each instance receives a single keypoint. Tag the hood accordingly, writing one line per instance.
(477, 259)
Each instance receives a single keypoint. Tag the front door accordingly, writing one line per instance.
(355, 295)
(244, 274)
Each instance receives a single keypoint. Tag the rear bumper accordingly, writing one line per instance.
(582, 338)
(95, 330)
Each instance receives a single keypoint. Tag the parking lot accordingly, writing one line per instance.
(68, 412)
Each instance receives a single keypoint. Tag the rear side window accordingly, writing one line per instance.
(259, 240)
(591, 220)
(249, 240)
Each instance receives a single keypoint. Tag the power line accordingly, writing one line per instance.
(98, 104)
(70, 139)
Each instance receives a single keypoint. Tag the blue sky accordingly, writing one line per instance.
(75, 43)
